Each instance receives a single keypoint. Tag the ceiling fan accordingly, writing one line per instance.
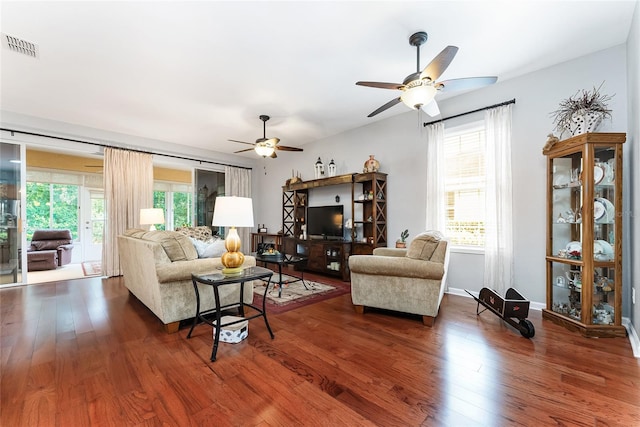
(265, 147)
(419, 89)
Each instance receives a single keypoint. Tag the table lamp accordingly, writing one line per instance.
(232, 212)
(151, 217)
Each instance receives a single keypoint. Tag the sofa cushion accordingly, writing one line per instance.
(177, 246)
(201, 232)
(209, 249)
(52, 234)
(424, 245)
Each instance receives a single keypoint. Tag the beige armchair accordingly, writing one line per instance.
(409, 280)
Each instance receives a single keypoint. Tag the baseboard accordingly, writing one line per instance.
(633, 335)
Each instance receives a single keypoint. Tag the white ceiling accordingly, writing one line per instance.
(201, 72)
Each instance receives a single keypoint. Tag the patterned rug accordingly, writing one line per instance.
(92, 268)
(295, 294)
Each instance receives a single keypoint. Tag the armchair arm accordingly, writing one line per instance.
(65, 247)
(395, 266)
(390, 251)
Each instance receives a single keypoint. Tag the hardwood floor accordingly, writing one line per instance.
(85, 352)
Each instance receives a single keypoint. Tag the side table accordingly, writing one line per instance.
(217, 279)
(281, 259)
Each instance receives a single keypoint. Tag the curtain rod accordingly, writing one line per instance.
(513, 101)
(121, 148)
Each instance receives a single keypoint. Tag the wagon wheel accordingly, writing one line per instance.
(526, 328)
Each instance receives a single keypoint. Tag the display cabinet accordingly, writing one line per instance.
(584, 234)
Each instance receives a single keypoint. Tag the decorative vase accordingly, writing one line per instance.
(585, 121)
(371, 165)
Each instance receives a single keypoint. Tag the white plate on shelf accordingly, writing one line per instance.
(609, 211)
(599, 210)
(598, 174)
(602, 250)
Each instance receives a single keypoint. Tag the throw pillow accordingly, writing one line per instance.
(177, 246)
(423, 246)
(201, 232)
(212, 248)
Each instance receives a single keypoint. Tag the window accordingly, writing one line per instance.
(52, 206)
(176, 200)
(464, 149)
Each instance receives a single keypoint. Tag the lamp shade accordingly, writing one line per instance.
(232, 211)
(418, 96)
(151, 216)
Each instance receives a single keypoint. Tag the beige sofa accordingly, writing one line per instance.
(409, 280)
(157, 268)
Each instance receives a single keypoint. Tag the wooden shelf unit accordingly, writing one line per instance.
(368, 216)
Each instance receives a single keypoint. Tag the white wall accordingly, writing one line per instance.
(632, 162)
(398, 144)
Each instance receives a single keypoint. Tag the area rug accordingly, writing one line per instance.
(294, 293)
(92, 268)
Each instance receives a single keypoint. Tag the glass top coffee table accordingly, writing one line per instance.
(281, 259)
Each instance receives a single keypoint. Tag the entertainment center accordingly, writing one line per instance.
(316, 232)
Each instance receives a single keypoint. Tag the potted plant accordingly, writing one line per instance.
(582, 112)
(402, 241)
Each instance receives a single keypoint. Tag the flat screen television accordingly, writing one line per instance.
(325, 222)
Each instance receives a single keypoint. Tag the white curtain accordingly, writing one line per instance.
(237, 182)
(128, 187)
(498, 256)
(435, 212)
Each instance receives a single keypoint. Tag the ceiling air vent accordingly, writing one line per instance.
(20, 46)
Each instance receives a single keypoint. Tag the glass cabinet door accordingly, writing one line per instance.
(10, 236)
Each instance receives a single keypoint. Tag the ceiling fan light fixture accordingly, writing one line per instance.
(264, 149)
(417, 96)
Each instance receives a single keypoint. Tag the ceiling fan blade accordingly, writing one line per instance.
(440, 63)
(381, 85)
(285, 148)
(386, 106)
(431, 108)
(465, 83)
(242, 151)
(273, 141)
(241, 142)
(273, 155)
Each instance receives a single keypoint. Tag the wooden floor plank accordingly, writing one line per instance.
(85, 352)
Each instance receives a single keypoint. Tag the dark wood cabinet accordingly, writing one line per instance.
(328, 257)
(368, 218)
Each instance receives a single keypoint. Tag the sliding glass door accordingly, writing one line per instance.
(10, 214)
